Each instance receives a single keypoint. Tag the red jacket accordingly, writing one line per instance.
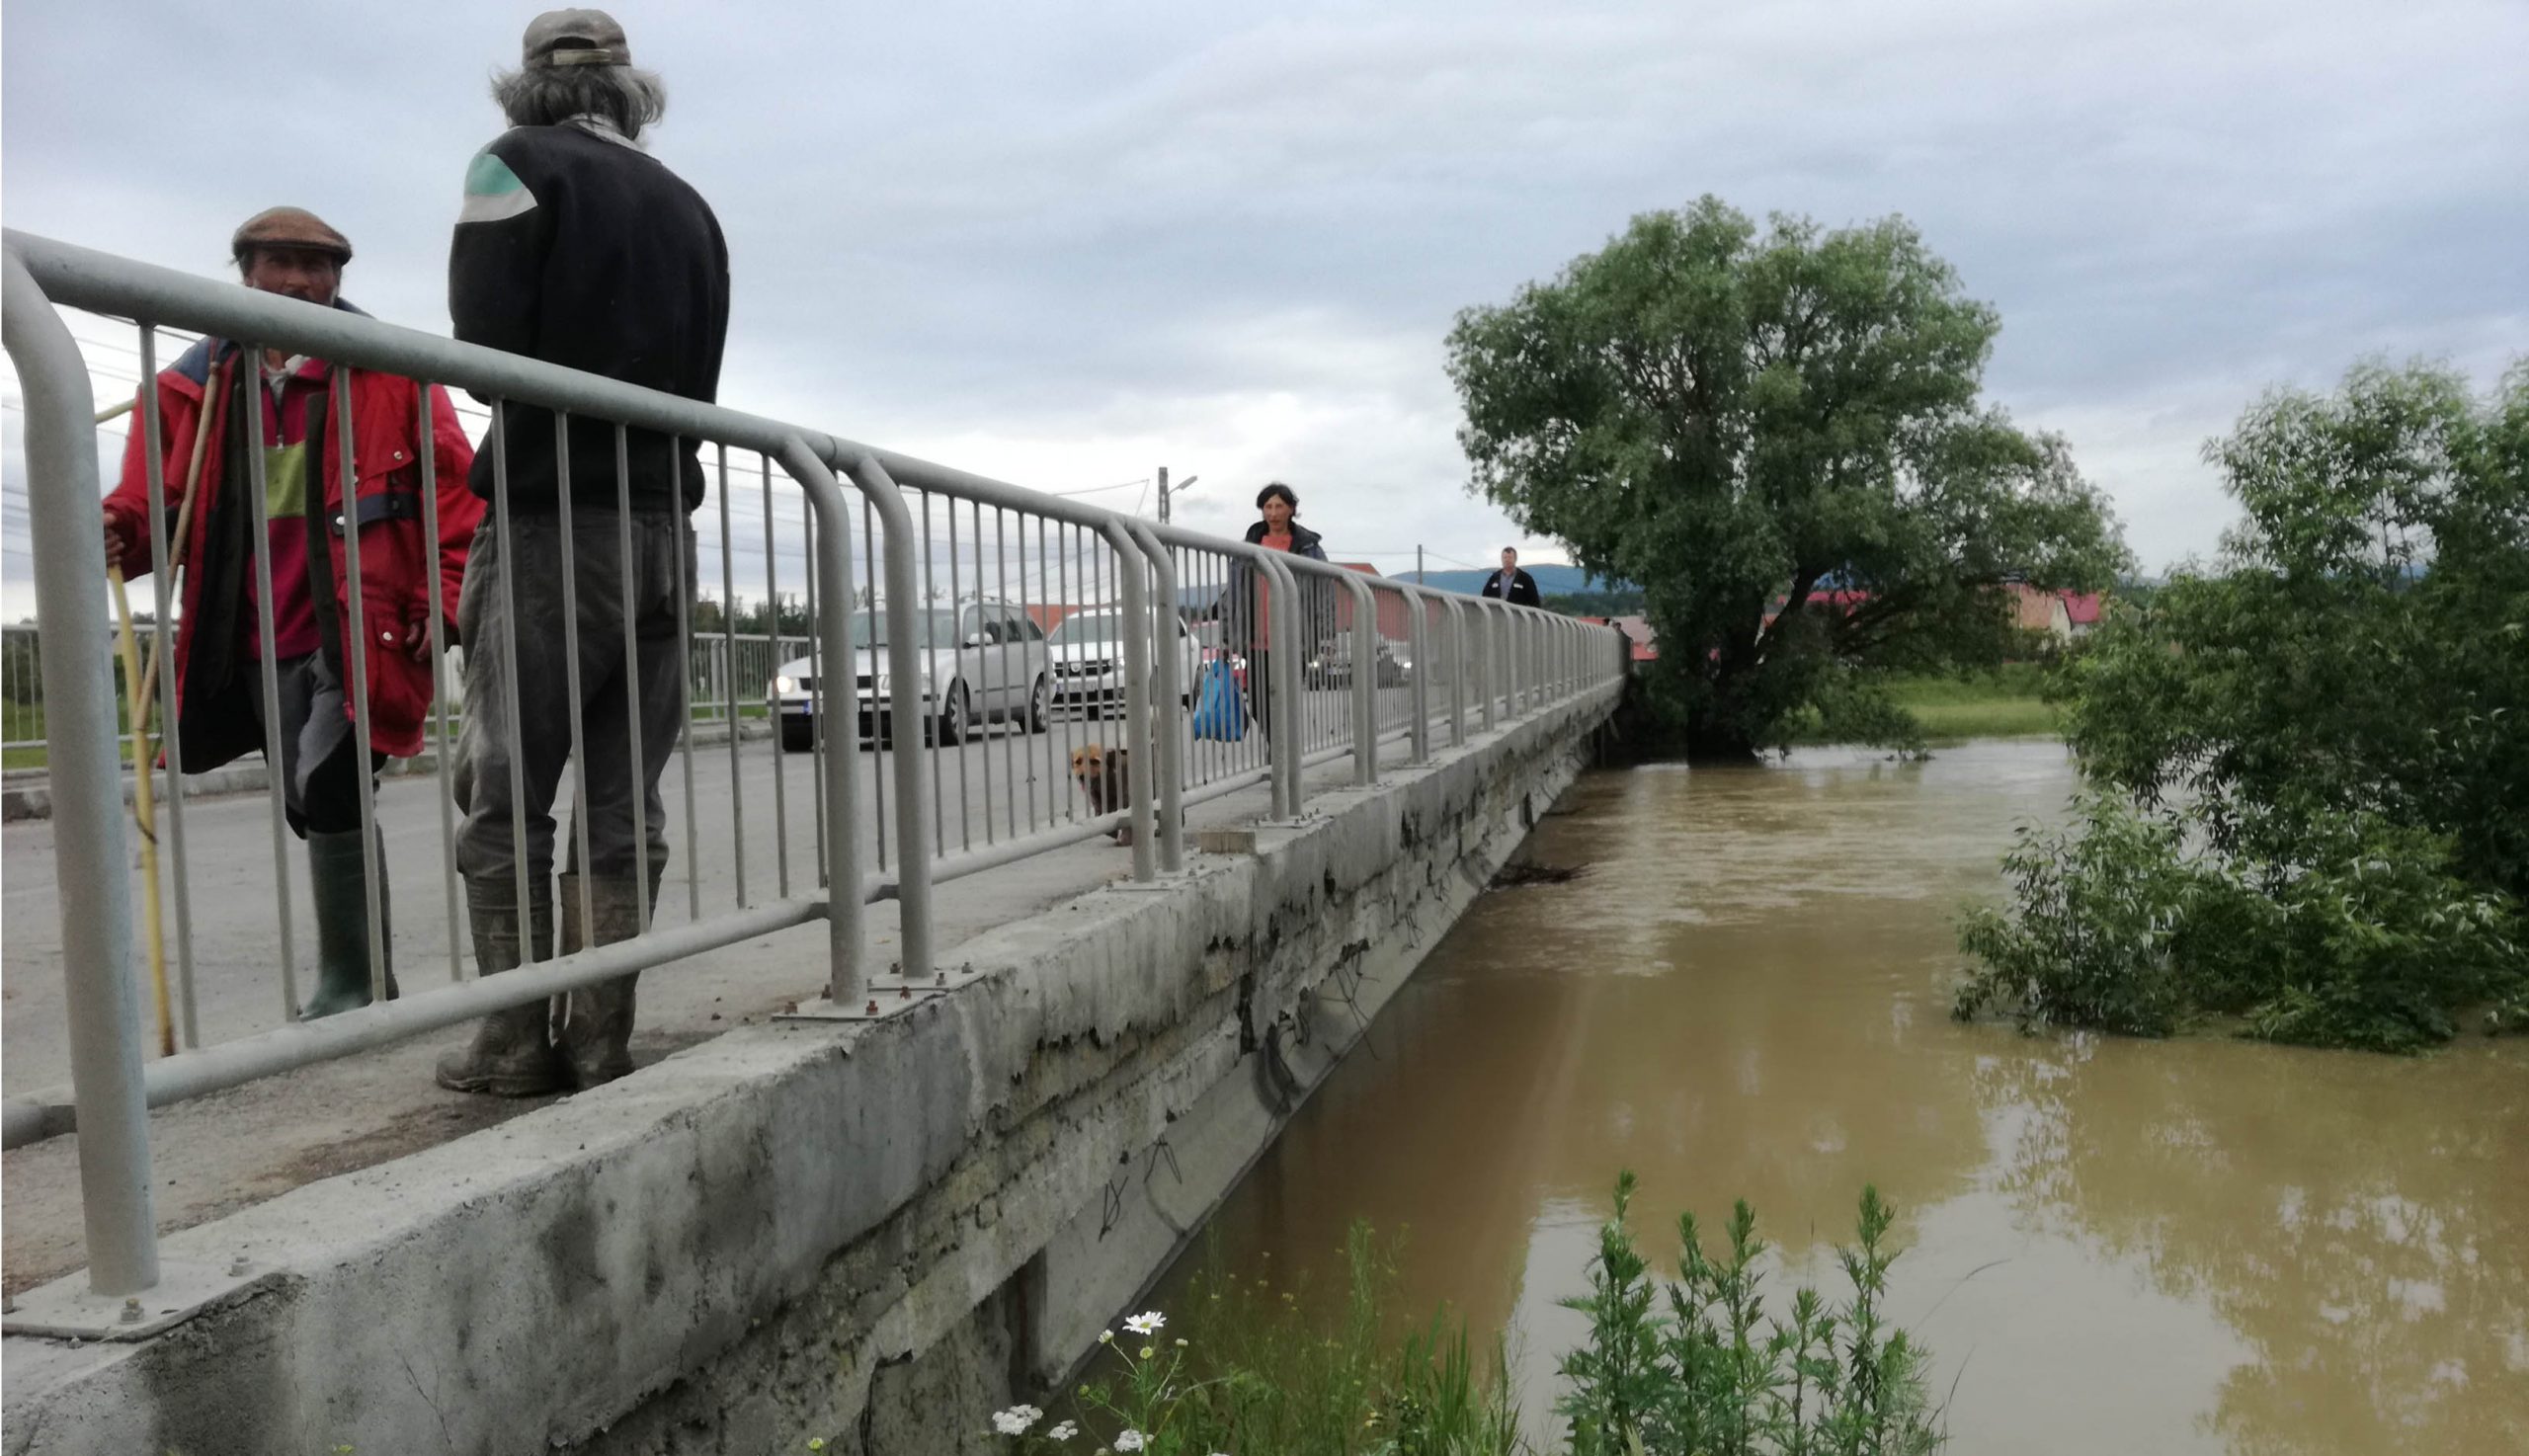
(404, 577)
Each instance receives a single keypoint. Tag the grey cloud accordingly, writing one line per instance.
(1084, 241)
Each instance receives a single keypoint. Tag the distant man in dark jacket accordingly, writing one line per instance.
(1510, 584)
(578, 248)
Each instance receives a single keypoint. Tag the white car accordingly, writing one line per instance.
(1089, 661)
(984, 661)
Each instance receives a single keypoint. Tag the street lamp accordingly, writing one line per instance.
(1165, 490)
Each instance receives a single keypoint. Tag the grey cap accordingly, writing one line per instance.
(575, 37)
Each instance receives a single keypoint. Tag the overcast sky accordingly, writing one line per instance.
(1066, 244)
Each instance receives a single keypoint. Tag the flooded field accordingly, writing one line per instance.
(2112, 1246)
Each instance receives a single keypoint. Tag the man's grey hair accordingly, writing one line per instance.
(630, 99)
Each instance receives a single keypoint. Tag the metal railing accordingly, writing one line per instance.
(1027, 672)
(731, 678)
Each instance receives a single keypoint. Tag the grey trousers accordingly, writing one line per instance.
(320, 775)
(606, 593)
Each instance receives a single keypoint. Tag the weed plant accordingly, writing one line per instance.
(1700, 1366)
(1696, 1367)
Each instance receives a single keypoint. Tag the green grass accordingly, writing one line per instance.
(1999, 717)
(25, 720)
(1999, 703)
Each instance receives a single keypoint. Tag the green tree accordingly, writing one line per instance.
(1736, 419)
(2310, 767)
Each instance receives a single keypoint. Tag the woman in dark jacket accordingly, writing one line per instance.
(1249, 619)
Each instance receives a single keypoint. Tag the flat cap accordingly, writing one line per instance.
(289, 227)
(575, 37)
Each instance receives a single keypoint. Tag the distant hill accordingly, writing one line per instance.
(1552, 580)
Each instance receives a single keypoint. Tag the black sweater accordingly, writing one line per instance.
(582, 250)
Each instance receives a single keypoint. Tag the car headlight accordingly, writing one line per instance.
(785, 684)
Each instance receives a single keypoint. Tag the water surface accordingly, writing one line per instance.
(2112, 1245)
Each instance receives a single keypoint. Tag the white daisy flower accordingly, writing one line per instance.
(1016, 1421)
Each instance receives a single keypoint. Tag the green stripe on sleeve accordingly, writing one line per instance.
(493, 192)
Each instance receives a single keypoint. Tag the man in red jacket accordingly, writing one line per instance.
(283, 408)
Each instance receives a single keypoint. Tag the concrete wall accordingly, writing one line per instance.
(874, 1233)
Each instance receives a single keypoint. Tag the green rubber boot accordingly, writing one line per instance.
(595, 1021)
(341, 880)
(513, 1054)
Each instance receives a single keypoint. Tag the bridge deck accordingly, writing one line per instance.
(234, 1149)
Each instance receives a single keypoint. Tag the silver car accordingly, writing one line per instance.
(984, 661)
(1089, 661)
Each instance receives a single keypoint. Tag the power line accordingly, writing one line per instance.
(1096, 489)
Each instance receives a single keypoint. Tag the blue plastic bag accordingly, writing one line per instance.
(1220, 713)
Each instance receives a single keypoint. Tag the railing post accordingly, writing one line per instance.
(1513, 634)
(1457, 611)
(1418, 638)
(1168, 695)
(1283, 736)
(847, 980)
(1137, 714)
(1365, 679)
(1539, 687)
(65, 531)
(1506, 648)
(905, 712)
(1533, 650)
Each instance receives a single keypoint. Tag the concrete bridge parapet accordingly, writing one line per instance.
(872, 1233)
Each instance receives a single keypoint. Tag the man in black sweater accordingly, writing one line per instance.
(1510, 584)
(578, 248)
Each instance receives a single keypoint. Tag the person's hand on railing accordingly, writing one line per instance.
(114, 546)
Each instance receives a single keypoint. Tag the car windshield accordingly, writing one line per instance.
(931, 628)
(1100, 626)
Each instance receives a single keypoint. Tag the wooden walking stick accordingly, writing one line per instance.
(144, 811)
(185, 515)
(145, 807)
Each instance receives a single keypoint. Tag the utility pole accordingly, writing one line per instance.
(1165, 490)
(1418, 566)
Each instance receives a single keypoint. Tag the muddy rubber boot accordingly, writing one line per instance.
(339, 879)
(513, 1055)
(596, 1021)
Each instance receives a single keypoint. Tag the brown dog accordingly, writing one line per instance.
(1104, 774)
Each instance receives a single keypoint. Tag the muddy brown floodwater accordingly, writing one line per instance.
(2112, 1245)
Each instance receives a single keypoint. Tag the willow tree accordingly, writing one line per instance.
(1778, 435)
(2309, 767)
